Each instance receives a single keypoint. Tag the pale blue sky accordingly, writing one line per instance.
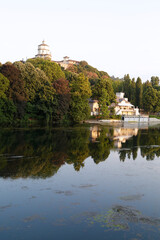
(117, 36)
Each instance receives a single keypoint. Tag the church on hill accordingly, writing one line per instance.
(44, 52)
(66, 62)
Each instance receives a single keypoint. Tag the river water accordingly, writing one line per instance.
(85, 182)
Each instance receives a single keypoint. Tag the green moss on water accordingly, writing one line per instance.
(119, 218)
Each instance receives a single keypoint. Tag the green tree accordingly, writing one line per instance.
(146, 85)
(16, 91)
(39, 90)
(139, 92)
(133, 92)
(154, 81)
(80, 93)
(127, 87)
(103, 101)
(117, 85)
(150, 99)
(157, 105)
(7, 112)
(4, 85)
(52, 70)
(30, 78)
(62, 99)
(103, 92)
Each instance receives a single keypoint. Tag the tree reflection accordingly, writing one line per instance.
(101, 146)
(147, 140)
(40, 153)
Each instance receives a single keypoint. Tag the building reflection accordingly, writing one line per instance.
(118, 135)
(121, 135)
(39, 153)
(95, 132)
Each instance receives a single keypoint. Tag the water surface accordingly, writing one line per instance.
(87, 182)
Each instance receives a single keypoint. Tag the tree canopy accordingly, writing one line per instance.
(51, 69)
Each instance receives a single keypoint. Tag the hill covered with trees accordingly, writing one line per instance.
(41, 91)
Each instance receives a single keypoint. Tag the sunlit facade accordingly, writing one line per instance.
(124, 107)
(43, 51)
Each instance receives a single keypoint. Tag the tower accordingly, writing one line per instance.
(43, 51)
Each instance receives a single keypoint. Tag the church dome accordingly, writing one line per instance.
(43, 51)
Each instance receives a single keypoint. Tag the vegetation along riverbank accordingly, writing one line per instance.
(42, 91)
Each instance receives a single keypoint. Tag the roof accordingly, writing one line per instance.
(73, 61)
(43, 44)
(92, 101)
(124, 104)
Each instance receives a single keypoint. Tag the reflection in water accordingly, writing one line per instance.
(95, 133)
(120, 135)
(40, 153)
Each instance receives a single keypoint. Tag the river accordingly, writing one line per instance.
(83, 182)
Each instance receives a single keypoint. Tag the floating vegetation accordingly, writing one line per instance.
(132, 197)
(84, 186)
(66, 193)
(120, 217)
(6, 206)
(32, 218)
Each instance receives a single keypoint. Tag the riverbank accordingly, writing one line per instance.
(103, 121)
(115, 121)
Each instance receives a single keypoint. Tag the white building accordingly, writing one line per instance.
(43, 51)
(124, 107)
(66, 62)
(94, 106)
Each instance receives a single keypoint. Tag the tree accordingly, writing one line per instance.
(157, 105)
(117, 85)
(52, 70)
(150, 99)
(4, 85)
(154, 81)
(39, 90)
(133, 92)
(16, 91)
(103, 100)
(139, 92)
(146, 85)
(62, 98)
(103, 92)
(29, 75)
(7, 112)
(80, 93)
(127, 86)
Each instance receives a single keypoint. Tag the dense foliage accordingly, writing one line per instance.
(41, 91)
(144, 95)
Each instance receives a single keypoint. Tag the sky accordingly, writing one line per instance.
(116, 36)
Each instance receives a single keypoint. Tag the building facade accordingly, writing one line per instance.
(124, 107)
(66, 62)
(94, 106)
(43, 51)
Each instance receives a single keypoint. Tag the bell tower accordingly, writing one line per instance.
(43, 51)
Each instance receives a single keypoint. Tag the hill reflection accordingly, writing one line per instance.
(40, 153)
